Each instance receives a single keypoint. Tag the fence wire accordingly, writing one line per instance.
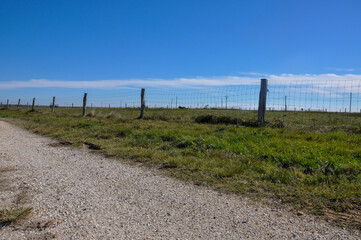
(331, 103)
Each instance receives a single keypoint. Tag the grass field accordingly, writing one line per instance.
(307, 160)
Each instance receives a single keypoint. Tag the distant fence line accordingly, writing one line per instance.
(301, 96)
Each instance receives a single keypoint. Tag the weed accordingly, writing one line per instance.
(12, 215)
(91, 113)
(113, 115)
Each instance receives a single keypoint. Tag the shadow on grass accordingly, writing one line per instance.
(228, 120)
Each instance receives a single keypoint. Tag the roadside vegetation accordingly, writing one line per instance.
(309, 161)
(16, 211)
(12, 215)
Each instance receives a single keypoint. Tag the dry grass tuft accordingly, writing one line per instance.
(91, 113)
(11, 215)
(113, 115)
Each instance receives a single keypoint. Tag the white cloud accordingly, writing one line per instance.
(342, 69)
(346, 82)
(108, 84)
(254, 74)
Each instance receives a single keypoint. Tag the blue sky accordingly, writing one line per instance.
(64, 47)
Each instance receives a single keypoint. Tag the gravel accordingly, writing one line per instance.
(79, 195)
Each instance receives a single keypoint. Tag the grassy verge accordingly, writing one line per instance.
(310, 161)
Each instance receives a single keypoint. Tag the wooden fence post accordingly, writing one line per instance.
(142, 103)
(7, 103)
(53, 106)
(262, 101)
(19, 103)
(33, 106)
(84, 104)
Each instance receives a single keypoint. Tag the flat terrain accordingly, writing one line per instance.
(309, 161)
(78, 195)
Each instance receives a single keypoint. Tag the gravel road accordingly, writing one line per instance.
(79, 195)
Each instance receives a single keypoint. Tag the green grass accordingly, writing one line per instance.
(310, 161)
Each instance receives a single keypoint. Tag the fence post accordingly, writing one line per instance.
(19, 103)
(142, 103)
(53, 106)
(350, 101)
(84, 104)
(7, 103)
(262, 101)
(33, 106)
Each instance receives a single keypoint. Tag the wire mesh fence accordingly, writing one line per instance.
(327, 103)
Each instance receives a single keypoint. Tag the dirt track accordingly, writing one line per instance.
(78, 195)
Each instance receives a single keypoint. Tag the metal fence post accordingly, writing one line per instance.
(19, 103)
(262, 101)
